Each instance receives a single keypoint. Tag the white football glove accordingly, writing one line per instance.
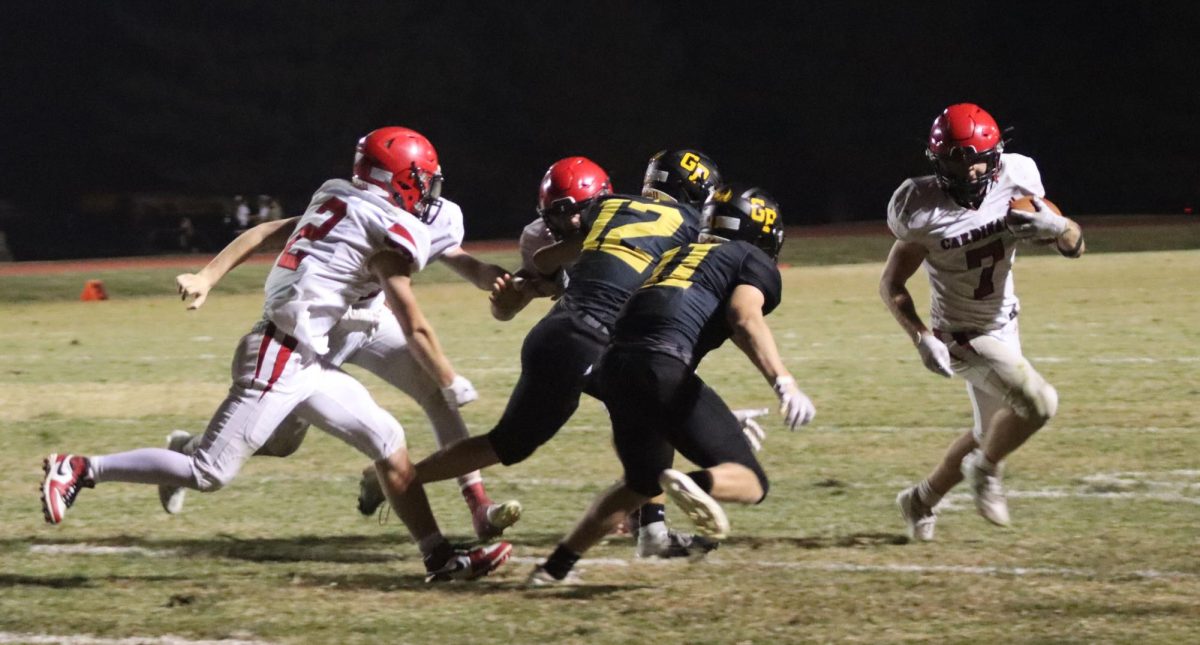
(1041, 224)
(459, 393)
(191, 285)
(754, 432)
(794, 405)
(934, 354)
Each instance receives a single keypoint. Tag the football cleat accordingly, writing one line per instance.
(370, 493)
(490, 520)
(986, 488)
(699, 506)
(469, 565)
(172, 497)
(539, 577)
(65, 475)
(919, 518)
(675, 545)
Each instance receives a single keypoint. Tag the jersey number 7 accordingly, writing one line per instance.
(975, 258)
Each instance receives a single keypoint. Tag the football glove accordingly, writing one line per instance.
(754, 432)
(1041, 224)
(934, 354)
(794, 405)
(459, 393)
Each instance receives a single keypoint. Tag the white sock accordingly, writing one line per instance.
(984, 464)
(926, 495)
(469, 479)
(145, 466)
(655, 532)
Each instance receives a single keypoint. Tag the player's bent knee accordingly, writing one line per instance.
(1038, 405)
(211, 482)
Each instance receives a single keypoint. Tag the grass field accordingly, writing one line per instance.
(1105, 501)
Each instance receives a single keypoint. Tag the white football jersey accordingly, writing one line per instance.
(323, 269)
(534, 236)
(971, 252)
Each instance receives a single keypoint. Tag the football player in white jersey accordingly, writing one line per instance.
(356, 240)
(958, 223)
(369, 337)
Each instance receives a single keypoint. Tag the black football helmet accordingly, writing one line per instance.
(748, 214)
(684, 175)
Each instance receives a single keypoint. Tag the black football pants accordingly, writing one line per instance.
(659, 405)
(555, 360)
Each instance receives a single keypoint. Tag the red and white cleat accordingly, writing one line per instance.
(65, 475)
(469, 565)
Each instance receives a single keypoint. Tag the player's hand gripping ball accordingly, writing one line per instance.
(1035, 218)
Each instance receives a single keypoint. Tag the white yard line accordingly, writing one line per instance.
(848, 567)
(94, 549)
(86, 639)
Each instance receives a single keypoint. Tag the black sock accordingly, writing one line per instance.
(651, 513)
(703, 479)
(560, 562)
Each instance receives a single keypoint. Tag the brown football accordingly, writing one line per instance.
(1026, 204)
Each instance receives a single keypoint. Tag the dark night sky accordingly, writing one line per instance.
(825, 104)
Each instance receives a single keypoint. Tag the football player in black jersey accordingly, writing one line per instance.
(698, 296)
(612, 243)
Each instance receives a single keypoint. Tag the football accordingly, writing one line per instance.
(1026, 204)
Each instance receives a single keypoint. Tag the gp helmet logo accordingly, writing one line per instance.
(763, 214)
(691, 163)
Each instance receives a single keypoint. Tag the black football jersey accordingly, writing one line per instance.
(681, 310)
(626, 237)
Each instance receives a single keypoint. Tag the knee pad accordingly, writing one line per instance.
(1037, 402)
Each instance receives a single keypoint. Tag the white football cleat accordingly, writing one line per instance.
(986, 488)
(539, 577)
(699, 506)
(919, 518)
(171, 497)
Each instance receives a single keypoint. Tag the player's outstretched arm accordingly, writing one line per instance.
(479, 273)
(266, 235)
(549, 259)
(752, 335)
(902, 263)
(393, 269)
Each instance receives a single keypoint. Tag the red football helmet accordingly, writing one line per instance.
(404, 164)
(568, 186)
(962, 136)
